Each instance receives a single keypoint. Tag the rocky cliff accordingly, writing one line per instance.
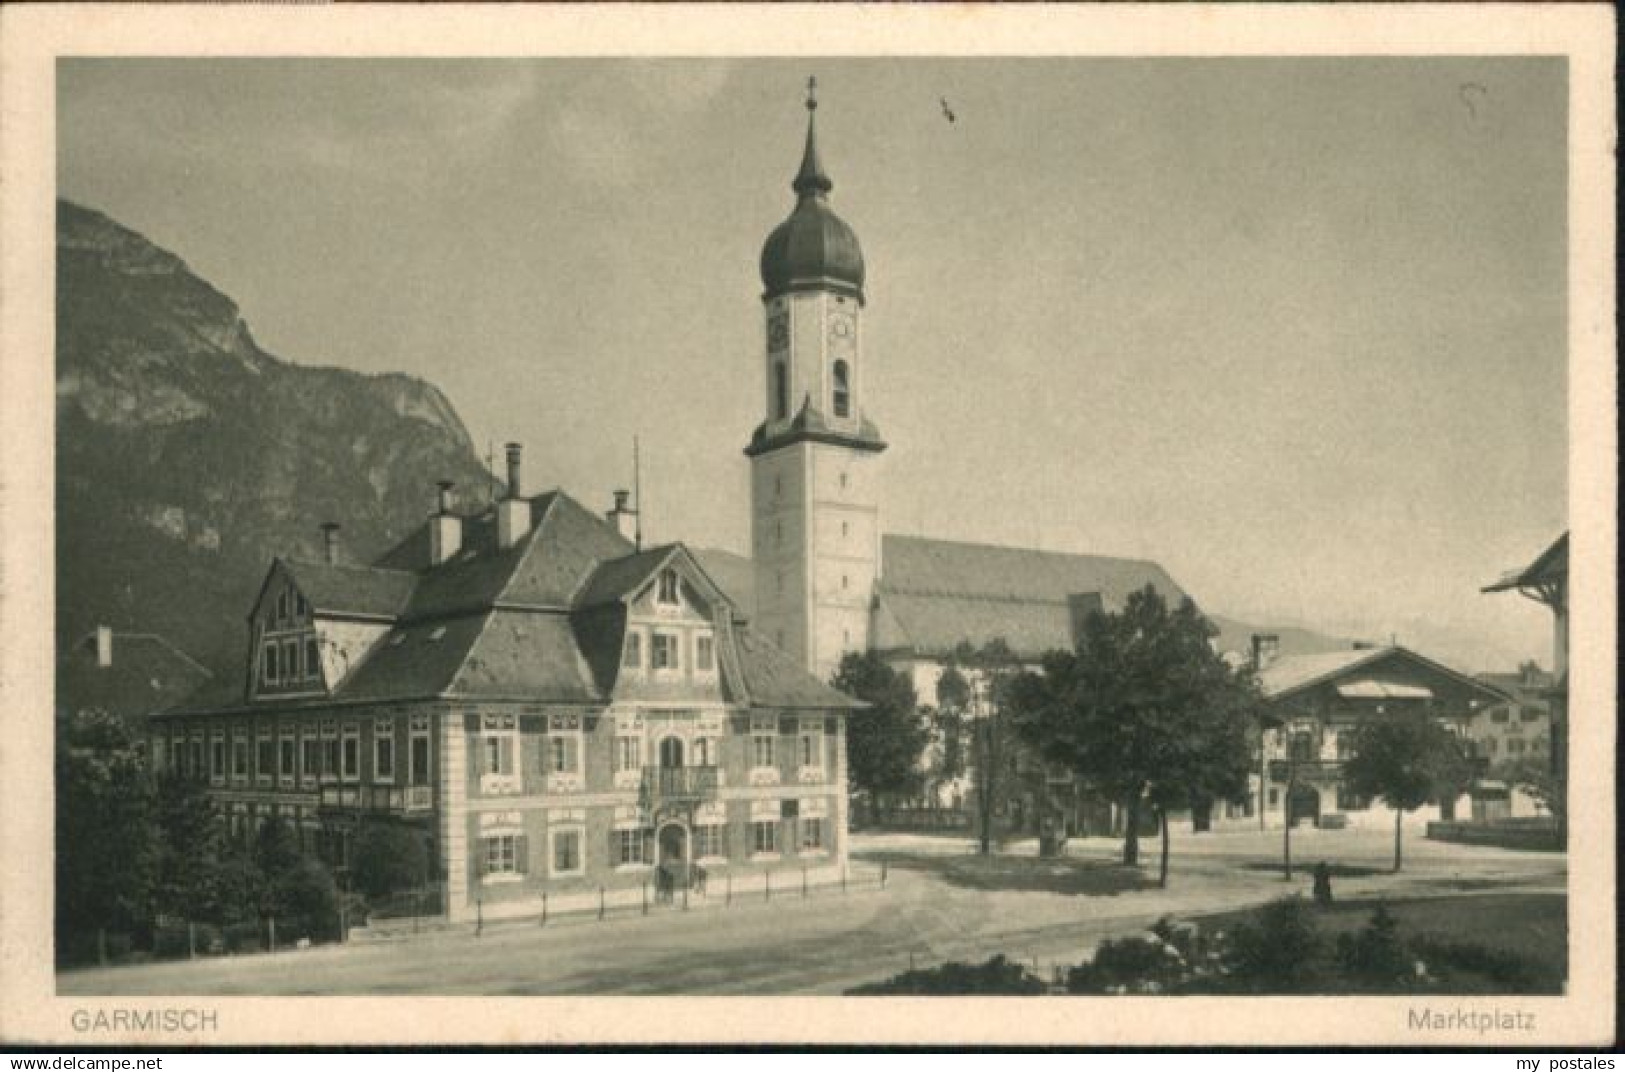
(187, 457)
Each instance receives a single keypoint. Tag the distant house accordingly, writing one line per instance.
(1546, 581)
(1504, 734)
(552, 710)
(1316, 702)
(127, 674)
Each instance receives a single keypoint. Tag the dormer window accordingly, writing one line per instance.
(282, 607)
(313, 661)
(705, 653)
(270, 669)
(668, 588)
(632, 655)
(664, 652)
(843, 390)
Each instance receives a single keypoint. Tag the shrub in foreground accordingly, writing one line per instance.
(995, 976)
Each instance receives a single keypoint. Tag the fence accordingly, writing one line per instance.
(721, 891)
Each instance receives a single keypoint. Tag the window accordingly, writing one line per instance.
(504, 854)
(702, 752)
(1538, 744)
(632, 657)
(762, 750)
(628, 754)
(217, 769)
(418, 758)
(383, 753)
(843, 391)
(1275, 797)
(1500, 715)
(812, 835)
(197, 769)
(1348, 800)
(1529, 714)
(567, 858)
(282, 607)
(352, 753)
(668, 587)
(781, 391)
(290, 660)
(708, 842)
(812, 752)
(764, 836)
(312, 757)
(313, 659)
(301, 608)
(270, 669)
(265, 762)
(664, 652)
(239, 757)
(1514, 746)
(1302, 747)
(562, 753)
(705, 652)
(286, 770)
(498, 755)
(629, 847)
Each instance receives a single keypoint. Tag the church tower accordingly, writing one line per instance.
(815, 458)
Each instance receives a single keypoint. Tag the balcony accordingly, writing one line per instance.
(679, 784)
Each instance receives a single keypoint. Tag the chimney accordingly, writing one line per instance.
(513, 512)
(104, 646)
(1266, 646)
(330, 542)
(514, 489)
(445, 528)
(623, 516)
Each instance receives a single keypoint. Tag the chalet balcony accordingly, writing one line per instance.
(393, 799)
(679, 784)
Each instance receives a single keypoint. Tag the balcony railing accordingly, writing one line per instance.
(679, 783)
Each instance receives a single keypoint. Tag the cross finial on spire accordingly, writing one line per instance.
(812, 92)
(811, 180)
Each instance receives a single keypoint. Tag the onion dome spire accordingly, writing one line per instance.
(811, 180)
(813, 249)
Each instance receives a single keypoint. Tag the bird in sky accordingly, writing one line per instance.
(947, 111)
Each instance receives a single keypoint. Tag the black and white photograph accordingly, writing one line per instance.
(564, 508)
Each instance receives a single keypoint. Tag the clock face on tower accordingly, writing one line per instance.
(840, 326)
(778, 332)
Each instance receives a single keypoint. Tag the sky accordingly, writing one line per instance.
(1294, 328)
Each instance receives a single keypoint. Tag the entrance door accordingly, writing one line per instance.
(1304, 803)
(673, 846)
(671, 753)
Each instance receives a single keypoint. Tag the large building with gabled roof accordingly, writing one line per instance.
(561, 716)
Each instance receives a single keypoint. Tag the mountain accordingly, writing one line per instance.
(187, 457)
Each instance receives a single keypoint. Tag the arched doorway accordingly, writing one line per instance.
(1303, 803)
(671, 753)
(674, 845)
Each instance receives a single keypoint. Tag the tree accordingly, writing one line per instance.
(1144, 710)
(994, 667)
(884, 742)
(192, 852)
(107, 847)
(389, 858)
(953, 701)
(1406, 761)
(1537, 778)
(275, 855)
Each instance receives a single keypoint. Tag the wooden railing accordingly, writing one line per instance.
(679, 783)
(387, 798)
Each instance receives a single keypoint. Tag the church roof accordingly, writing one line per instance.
(935, 594)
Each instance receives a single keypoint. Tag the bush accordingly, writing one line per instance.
(244, 937)
(1497, 965)
(1277, 954)
(995, 976)
(1135, 965)
(1375, 954)
(388, 859)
